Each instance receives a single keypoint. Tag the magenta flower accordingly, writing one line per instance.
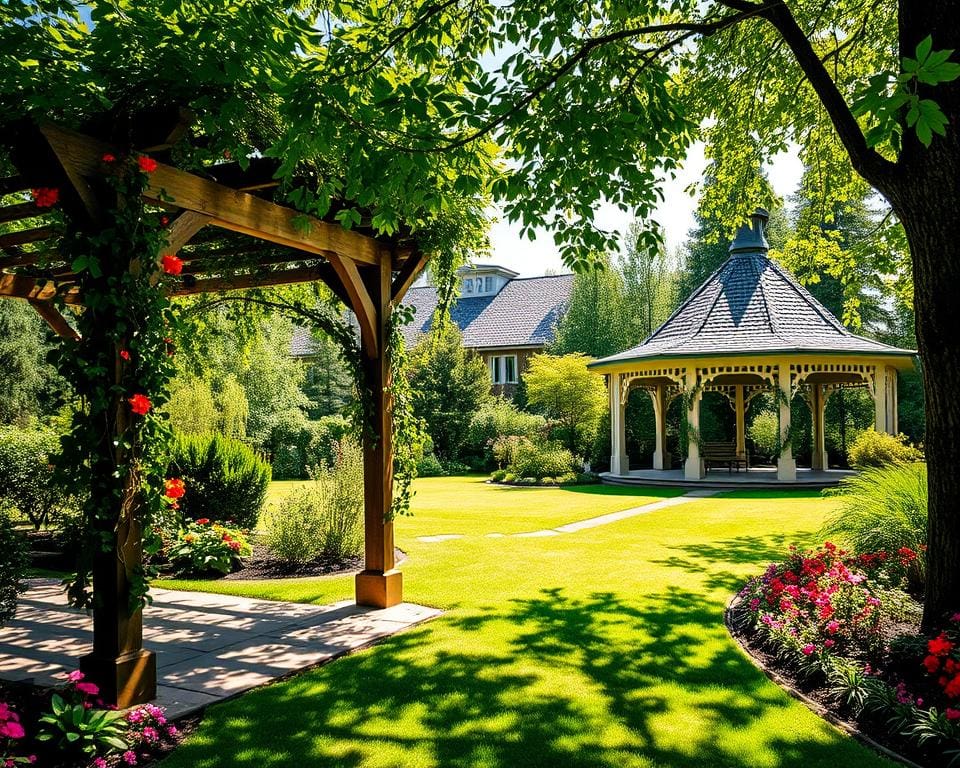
(808, 649)
(91, 689)
(130, 757)
(76, 676)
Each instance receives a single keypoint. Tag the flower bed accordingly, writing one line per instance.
(843, 629)
(69, 727)
(205, 547)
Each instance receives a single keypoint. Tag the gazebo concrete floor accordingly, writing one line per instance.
(209, 647)
(755, 477)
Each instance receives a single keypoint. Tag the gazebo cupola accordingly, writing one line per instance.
(749, 328)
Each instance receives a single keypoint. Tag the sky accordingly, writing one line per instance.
(675, 215)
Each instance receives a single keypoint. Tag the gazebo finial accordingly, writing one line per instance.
(751, 237)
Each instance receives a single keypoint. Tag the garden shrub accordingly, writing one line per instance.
(27, 478)
(540, 461)
(430, 466)
(204, 547)
(324, 518)
(884, 509)
(764, 433)
(225, 480)
(13, 565)
(296, 443)
(878, 449)
(505, 448)
(496, 419)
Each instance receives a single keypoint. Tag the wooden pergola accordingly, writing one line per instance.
(231, 235)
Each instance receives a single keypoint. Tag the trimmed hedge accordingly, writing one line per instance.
(225, 479)
(27, 479)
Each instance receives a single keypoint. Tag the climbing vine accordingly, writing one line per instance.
(116, 446)
(794, 434)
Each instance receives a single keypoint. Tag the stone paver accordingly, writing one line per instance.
(441, 537)
(209, 647)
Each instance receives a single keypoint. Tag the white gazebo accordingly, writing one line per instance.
(750, 328)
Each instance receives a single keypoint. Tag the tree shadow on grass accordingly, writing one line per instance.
(552, 680)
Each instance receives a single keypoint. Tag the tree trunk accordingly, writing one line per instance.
(928, 212)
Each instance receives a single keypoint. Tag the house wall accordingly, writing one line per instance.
(523, 355)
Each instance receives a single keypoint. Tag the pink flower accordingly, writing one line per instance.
(14, 730)
(76, 676)
(952, 714)
(130, 757)
(829, 643)
(99, 763)
(172, 730)
(91, 689)
(150, 733)
(833, 626)
(808, 649)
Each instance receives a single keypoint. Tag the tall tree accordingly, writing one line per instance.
(651, 285)
(596, 322)
(449, 384)
(29, 386)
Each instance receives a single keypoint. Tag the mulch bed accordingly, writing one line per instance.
(816, 696)
(262, 565)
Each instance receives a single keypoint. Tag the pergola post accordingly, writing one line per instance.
(786, 465)
(693, 468)
(379, 584)
(818, 403)
(619, 461)
(740, 408)
(661, 459)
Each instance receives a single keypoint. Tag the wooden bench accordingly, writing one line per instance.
(723, 454)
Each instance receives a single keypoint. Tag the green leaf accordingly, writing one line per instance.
(924, 48)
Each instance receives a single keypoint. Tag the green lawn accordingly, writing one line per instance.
(600, 648)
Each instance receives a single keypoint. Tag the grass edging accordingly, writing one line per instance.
(818, 709)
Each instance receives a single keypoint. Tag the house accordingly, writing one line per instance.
(503, 318)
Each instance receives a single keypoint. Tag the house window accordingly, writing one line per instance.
(468, 286)
(479, 285)
(503, 369)
(488, 284)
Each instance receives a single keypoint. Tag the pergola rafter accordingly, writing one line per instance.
(280, 246)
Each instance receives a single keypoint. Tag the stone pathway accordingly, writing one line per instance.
(592, 522)
(209, 647)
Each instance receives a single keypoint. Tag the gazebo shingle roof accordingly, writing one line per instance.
(751, 305)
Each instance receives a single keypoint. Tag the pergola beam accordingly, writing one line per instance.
(54, 319)
(25, 236)
(409, 272)
(227, 208)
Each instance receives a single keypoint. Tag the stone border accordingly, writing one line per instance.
(818, 709)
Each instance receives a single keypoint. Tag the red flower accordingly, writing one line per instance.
(952, 689)
(164, 220)
(234, 545)
(203, 521)
(939, 646)
(108, 158)
(45, 197)
(952, 714)
(124, 354)
(174, 488)
(932, 663)
(88, 688)
(171, 264)
(140, 404)
(147, 164)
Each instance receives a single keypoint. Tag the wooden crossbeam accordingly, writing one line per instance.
(26, 236)
(183, 228)
(408, 273)
(360, 301)
(19, 211)
(17, 257)
(240, 282)
(227, 208)
(54, 319)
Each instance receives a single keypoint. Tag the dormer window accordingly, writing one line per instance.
(488, 283)
(479, 285)
(468, 286)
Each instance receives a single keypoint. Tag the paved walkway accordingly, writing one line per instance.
(591, 522)
(209, 647)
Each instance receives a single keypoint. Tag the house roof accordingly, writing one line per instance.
(751, 305)
(523, 313)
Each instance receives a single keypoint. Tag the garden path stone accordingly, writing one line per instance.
(209, 647)
(441, 537)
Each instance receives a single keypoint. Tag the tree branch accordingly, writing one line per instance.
(867, 162)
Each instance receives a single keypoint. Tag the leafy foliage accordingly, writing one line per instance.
(29, 387)
(547, 460)
(878, 449)
(225, 479)
(449, 384)
(27, 478)
(499, 419)
(13, 565)
(324, 518)
(569, 394)
(204, 547)
(597, 320)
(884, 509)
(78, 727)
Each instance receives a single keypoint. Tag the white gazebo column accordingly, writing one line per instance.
(893, 426)
(693, 468)
(619, 463)
(818, 403)
(661, 459)
(740, 408)
(786, 465)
